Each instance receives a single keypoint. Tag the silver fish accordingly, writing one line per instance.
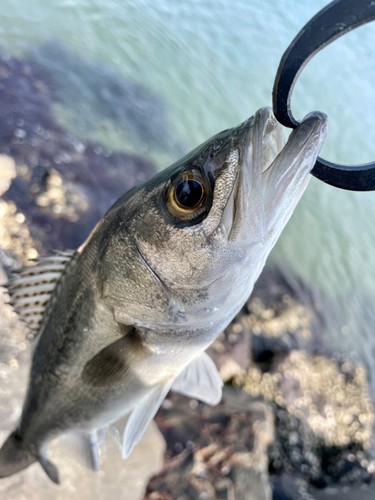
(128, 316)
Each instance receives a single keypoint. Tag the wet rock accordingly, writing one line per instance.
(63, 185)
(282, 314)
(55, 188)
(293, 487)
(97, 91)
(285, 313)
(117, 478)
(16, 244)
(231, 351)
(331, 397)
(116, 475)
(7, 172)
(14, 362)
(321, 403)
(290, 487)
(360, 492)
(323, 417)
(214, 452)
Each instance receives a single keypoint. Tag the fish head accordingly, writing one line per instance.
(201, 230)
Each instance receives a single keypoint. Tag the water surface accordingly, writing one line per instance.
(194, 68)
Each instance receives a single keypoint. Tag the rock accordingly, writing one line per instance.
(55, 189)
(320, 404)
(283, 313)
(293, 487)
(362, 492)
(115, 479)
(116, 475)
(63, 185)
(14, 362)
(214, 451)
(98, 93)
(331, 397)
(323, 417)
(17, 246)
(7, 172)
(290, 487)
(231, 351)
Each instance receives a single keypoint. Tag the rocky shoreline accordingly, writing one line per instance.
(296, 420)
(60, 184)
(293, 423)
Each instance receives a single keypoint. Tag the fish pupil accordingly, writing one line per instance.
(189, 193)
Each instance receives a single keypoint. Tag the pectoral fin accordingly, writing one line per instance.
(200, 380)
(112, 364)
(142, 415)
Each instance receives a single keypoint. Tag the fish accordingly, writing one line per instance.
(127, 317)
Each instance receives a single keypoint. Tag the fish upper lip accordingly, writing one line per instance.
(244, 146)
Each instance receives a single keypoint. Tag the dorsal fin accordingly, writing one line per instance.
(32, 286)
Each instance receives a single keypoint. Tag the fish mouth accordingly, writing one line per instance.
(272, 176)
(260, 141)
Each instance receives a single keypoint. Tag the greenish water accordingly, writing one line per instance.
(211, 64)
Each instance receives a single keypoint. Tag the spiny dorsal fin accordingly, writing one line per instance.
(32, 286)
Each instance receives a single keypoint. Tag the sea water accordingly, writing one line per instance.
(195, 67)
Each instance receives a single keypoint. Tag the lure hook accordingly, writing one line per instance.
(336, 19)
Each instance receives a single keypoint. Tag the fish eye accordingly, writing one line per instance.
(187, 194)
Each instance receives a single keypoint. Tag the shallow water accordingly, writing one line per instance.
(196, 67)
